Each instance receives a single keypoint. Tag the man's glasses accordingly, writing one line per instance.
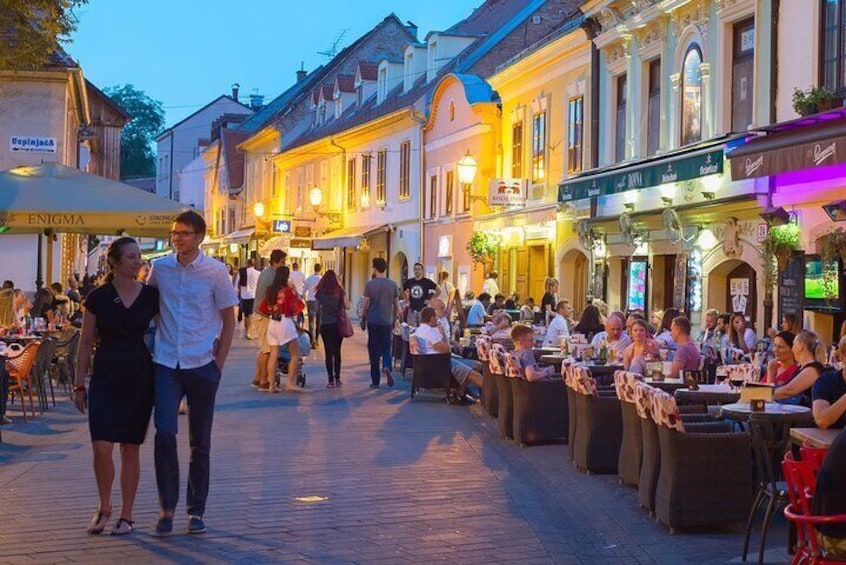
(181, 233)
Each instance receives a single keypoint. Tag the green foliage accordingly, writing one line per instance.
(814, 99)
(780, 243)
(32, 30)
(483, 246)
(137, 158)
(833, 245)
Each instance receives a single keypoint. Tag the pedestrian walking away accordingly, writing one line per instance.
(311, 304)
(262, 320)
(248, 297)
(379, 310)
(120, 400)
(193, 337)
(331, 302)
(282, 304)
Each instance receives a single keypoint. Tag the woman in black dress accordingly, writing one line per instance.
(121, 397)
(331, 300)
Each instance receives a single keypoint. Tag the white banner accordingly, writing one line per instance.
(32, 144)
(507, 192)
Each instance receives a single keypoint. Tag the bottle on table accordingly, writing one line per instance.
(603, 351)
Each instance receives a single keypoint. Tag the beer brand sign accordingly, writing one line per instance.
(747, 163)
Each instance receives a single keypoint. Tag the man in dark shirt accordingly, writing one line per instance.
(829, 395)
(420, 290)
(830, 497)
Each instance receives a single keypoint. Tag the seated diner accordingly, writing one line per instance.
(809, 352)
(829, 395)
(523, 337)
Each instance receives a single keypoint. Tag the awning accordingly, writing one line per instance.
(346, 237)
(684, 164)
(242, 235)
(276, 242)
(813, 145)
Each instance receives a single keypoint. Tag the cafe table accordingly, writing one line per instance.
(783, 414)
(814, 437)
(667, 385)
(707, 395)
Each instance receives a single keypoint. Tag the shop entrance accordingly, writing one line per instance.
(573, 271)
(733, 287)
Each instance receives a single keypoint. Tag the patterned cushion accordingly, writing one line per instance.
(643, 399)
(584, 382)
(497, 359)
(512, 367)
(483, 347)
(749, 372)
(665, 412)
(624, 383)
(413, 344)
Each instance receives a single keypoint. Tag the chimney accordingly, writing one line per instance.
(411, 27)
(302, 73)
(235, 87)
(256, 101)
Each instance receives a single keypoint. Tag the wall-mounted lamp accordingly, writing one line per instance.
(706, 240)
(258, 209)
(776, 216)
(836, 210)
(315, 196)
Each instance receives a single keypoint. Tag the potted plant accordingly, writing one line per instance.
(483, 247)
(814, 100)
(781, 242)
(832, 245)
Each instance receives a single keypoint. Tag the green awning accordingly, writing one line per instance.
(655, 172)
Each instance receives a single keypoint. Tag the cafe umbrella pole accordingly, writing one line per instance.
(39, 280)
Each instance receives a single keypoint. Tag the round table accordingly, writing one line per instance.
(782, 413)
(707, 394)
(667, 385)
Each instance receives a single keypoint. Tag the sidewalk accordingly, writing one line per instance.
(348, 475)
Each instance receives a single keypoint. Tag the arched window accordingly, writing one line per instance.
(691, 96)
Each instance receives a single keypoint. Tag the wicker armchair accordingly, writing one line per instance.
(505, 401)
(704, 478)
(490, 399)
(568, 373)
(650, 463)
(539, 408)
(431, 371)
(20, 376)
(631, 443)
(599, 426)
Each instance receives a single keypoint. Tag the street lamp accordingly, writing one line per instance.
(258, 209)
(467, 170)
(315, 196)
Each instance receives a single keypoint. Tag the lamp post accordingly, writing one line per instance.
(466, 173)
(258, 209)
(315, 196)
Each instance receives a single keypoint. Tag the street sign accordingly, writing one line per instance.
(282, 226)
(299, 243)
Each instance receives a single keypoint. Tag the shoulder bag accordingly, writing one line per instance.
(345, 328)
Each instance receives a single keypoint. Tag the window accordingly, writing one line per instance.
(575, 131)
(539, 147)
(742, 74)
(351, 184)
(365, 180)
(833, 47)
(195, 153)
(433, 196)
(517, 150)
(653, 109)
(465, 197)
(381, 164)
(449, 183)
(691, 91)
(232, 219)
(405, 169)
(221, 222)
(620, 123)
(452, 111)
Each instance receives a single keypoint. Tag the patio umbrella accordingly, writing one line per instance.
(66, 200)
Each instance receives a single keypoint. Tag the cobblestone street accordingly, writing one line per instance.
(348, 475)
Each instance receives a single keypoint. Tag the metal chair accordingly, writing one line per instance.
(41, 369)
(20, 370)
(64, 358)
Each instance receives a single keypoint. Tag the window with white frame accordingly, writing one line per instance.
(539, 147)
(517, 150)
(691, 96)
(832, 47)
(575, 134)
(620, 120)
(449, 192)
(351, 184)
(381, 176)
(405, 170)
(653, 108)
(366, 163)
(742, 75)
(433, 196)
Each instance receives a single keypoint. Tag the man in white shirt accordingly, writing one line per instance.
(311, 303)
(248, 297)
(433, 339)
(614, 335)
(193, 337)
(490, 286)
(297, 279)
(558, 327)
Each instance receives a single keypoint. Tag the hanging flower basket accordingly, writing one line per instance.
(483, 247)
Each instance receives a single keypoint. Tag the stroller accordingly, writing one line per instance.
(284, 358)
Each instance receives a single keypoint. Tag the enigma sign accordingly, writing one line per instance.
(55, 219)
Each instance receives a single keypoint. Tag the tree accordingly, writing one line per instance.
(31, 31)
(137, 158)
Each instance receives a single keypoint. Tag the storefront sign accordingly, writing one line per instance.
(637, 285)
(764, 157)
(791, 287)
(739, 291)
(654, 173)
(301, 243)
(507, 192)
(282, 226)
(32, 144)
(762, 232)
(302, 231)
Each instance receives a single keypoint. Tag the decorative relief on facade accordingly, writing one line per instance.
(618, 53)
(724, 4)
(697, 16)
(732, 234)
(646, 37)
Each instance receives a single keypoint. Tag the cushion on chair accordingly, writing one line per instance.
(585, 383)
(497, 360)
(643, 400)
(483, 347)
(665, 412)
(512, 367)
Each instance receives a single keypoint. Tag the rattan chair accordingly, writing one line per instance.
(41, 372)
(490, 398)
(505, 397)
(64, 357)
(567, 372)
(599, 427)
(20, 380)
(539, 407)
(631, 443)
(704, 478)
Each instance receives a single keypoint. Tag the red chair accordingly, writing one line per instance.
(813, 455)
(801, 485)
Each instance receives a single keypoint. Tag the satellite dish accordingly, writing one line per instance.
(674, 227)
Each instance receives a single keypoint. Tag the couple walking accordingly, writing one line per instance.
(192, 298)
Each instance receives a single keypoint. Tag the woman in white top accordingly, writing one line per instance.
(739, 336)
(558, 327)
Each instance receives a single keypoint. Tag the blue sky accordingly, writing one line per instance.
(185, 53)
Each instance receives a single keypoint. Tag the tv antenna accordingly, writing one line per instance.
(333, 49)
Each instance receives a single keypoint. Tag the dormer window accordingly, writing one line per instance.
(382, 85)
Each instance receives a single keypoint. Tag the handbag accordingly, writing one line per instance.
(345, 328)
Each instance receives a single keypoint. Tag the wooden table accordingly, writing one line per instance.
(707, 394)
(667, 385)
(815, 437)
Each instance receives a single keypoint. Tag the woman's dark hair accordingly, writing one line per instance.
(786, 337)
(670, 314)
(329, 285)
(735, 338)
(280, 281)
(115, 253)
(590, 322)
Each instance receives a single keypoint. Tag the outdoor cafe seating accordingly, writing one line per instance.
(539, 408)
(596, 444)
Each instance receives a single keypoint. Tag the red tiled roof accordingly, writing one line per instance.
(368, 71)
(487, 17)
(234, 158)
(345, 83)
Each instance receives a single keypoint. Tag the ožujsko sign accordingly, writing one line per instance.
(655, 173)
(749, 163)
